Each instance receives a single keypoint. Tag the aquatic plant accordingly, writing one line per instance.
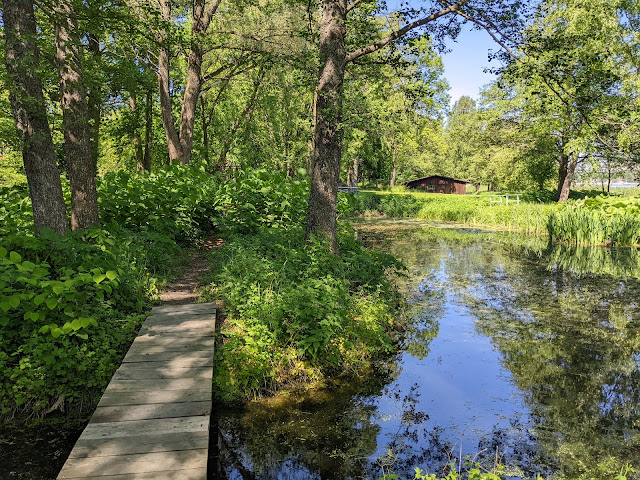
(597, 221)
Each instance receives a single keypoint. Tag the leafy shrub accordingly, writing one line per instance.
(259, 198)
(68, 310)
(176, 201)
(296, 312)
(16, 214)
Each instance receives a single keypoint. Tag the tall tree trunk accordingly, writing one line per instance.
(205, 131)
(566, 171)
(327, 154)
(190, 100)
(137, 138)
(356, 165)
(30, 114)
(94, 104)
(75, 120)
(164, 81)
(148, 130)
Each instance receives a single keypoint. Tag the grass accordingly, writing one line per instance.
(473, 210)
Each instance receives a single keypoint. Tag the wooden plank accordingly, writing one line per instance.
(136, 371)
(190, 309)
(140, 444)
(195, 320)
(157, 384)
(136, 463)
(134, 428)
(177, 359)
(148, 411)
(178, 330)
(190, 474)
(119, 398)
(174, 343)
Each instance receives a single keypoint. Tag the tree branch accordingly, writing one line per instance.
(374, 47)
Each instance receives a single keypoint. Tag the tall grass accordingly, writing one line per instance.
(466, 209)
(598, 221)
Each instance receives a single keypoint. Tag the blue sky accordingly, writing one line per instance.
(465, 63)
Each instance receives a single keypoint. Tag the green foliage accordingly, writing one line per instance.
(259, 198)
(69, 309)
(176, 201)
(598, 221)
(297, 312)
(16, 214)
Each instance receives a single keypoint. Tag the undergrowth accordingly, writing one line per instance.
(297, 313)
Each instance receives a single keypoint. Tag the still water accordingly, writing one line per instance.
(520, 352)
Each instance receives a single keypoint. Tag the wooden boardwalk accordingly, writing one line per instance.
(153, 420)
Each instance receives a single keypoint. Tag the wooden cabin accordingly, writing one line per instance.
(439, 184)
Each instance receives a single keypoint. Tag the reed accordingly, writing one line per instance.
(472, 210)
(597, 221)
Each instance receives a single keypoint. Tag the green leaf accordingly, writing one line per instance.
(44, 329)
(14, 301)
(14, 257)
(3, 252)
(51, 303)
(56, 332)
(99, 278)
(38, 299)
(58, 289)
(111, 275)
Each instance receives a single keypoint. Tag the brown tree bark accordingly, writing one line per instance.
(327, 151)
(356, 165)
(202, 14)
(137, 137)
(321, 213)
(30, 114)
(566, 171)
(164, 80)
(180, 143)
(75, 120)
(394, 173)
(148, 131)
(94, 104)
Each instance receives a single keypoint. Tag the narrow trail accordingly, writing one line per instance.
(184, 290)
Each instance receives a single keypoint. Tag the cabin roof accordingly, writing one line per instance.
(438, 176)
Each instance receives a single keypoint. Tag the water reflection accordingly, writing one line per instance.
(523, 351)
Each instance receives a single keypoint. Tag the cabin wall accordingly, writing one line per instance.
(438, 185)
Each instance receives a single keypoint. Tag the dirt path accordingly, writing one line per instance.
(185, 289)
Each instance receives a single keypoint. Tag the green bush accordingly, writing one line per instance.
(259, 198)
(69, 307)
(296, 312)
(176, 201)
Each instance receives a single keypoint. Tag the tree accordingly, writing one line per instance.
(575, 70)
(30, 114)
(180, 142)
(75, 118)
(497, 16)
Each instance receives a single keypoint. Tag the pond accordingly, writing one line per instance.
(520, 352)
